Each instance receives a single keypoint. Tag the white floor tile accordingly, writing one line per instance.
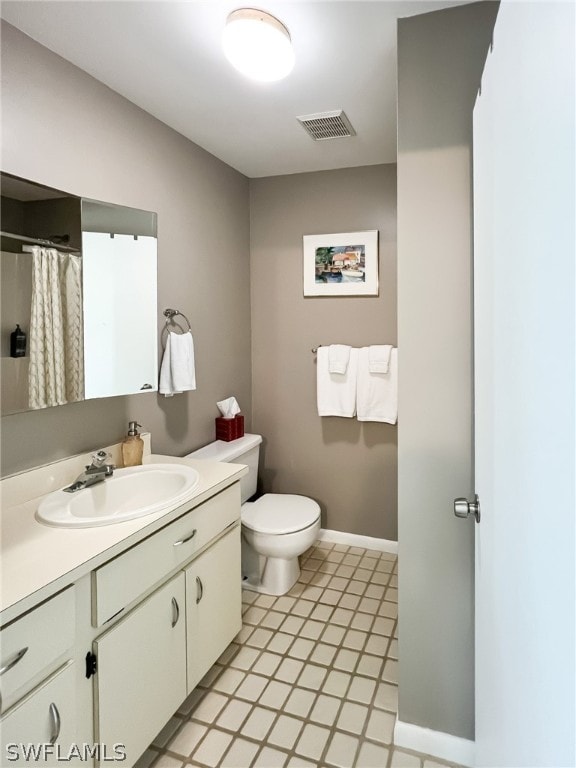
(381, 726)
(402, 759)
(325, 709)
(240, 754)
(186, 740)
(258, 724)
(212, 748)
(312, 676)
(300, 702)
(346, 660)
(301, 648)
(336, 683)
(352, 717)
(371, 666)
(209, 707)
(267, 664)
(361, 689)
(289, 670)
(324, 653)
(233, 715)
(275, 694)
(372, 756)
(252, 687)
(260, 637)
(280, 642)
(342, 750)
(285, 732)
(271, 758)
(312, 741)
(387, 697)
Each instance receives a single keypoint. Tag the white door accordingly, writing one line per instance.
(141, 677)
(524, 398)
(213, 604)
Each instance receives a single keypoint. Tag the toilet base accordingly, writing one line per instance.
(277, 576)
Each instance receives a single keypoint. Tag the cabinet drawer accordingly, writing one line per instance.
(121, 581)
(35, 643)
(45, 722)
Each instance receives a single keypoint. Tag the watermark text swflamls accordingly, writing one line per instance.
(40, 753)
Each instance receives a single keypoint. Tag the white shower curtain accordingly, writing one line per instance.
(56, 371)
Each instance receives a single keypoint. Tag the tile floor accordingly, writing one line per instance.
(309, 682)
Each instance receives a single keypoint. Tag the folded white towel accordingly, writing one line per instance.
(338, 358)
(377, 397)
(177, 372)
(336, 392)
(379, 358)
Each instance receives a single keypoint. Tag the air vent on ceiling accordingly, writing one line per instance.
(327, 125)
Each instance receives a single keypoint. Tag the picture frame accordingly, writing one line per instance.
(342, 264)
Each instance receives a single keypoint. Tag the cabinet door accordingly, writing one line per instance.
(141, 677)
(42, 727)
(213, 604)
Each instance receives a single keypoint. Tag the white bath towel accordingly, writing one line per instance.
(336, 392)
(377, 397)
(177, 372)
(379, 358)
(338, 358)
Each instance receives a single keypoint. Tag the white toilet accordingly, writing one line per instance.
(276, 528)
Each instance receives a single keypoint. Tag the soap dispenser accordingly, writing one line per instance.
(132, 446)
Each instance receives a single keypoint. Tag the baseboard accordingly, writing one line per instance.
(355, 540)
(435, 743)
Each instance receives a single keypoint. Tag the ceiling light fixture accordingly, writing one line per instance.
(258, 45)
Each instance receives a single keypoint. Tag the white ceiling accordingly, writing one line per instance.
(166, 57)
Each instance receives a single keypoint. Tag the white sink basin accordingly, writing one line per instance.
(129, 493)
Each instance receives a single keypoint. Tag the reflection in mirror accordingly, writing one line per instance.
(119, 248)
(79, 278)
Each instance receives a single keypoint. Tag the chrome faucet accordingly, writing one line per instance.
(94, 473)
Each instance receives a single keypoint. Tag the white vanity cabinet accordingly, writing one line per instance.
(141, 677)
(213, 599)
(104, 634)
(37, 680)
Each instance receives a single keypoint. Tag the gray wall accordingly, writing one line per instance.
(62, 128)
(348, 466)
(440, 59)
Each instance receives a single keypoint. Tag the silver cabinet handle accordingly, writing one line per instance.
(13, 661)
(55, 723)
(175, 612)
(183, 541)
(199, 589)
(465, 508)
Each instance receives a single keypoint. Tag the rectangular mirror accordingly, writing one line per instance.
(80, 279)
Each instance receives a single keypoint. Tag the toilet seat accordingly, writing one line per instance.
(280, 513)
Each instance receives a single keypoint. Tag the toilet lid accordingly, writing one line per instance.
(280, 513)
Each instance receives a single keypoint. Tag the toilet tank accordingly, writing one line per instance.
(244, 450)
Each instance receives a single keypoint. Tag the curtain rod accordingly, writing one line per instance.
(39, 241)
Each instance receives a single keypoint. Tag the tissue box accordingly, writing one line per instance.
(229, 429)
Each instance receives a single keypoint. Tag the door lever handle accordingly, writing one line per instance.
(465, 508)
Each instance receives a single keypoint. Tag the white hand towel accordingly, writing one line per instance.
(377, 398)
(338, 358)
(379, 358)
(336, 392)
(177, 372)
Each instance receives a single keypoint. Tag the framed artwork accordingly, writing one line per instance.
(345, 264)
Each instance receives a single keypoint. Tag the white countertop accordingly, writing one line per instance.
(37, 560)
